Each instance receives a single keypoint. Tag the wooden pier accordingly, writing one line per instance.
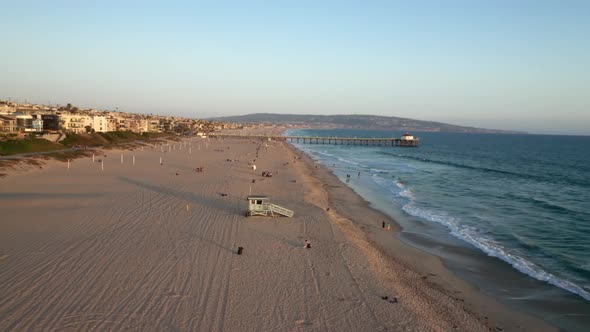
(405, 141)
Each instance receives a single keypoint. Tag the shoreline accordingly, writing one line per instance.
(340, 284)
(428, 270)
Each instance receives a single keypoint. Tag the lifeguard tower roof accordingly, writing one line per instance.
(260, 197)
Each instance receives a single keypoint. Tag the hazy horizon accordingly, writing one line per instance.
(498, 65)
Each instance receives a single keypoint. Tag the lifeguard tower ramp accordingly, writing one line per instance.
(280, 210)
(259, 205)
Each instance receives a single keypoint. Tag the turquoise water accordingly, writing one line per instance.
(524, 199)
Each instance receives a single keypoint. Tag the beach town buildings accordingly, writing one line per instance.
(112, 123)
(7, 124)
(98, 123)
(167, 125)
(7, 108)
(50, 122)
(74, 123)
(31, 118)
(28, 122)
(154, 126)
(138, 124)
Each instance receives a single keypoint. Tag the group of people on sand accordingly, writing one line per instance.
(200, 169)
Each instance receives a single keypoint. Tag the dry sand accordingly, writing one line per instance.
(138, 247)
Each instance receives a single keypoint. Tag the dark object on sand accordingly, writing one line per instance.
(240, 250)
(383, 224)
(386, 298)
(223, 194)
(253, 180)
(327, 209)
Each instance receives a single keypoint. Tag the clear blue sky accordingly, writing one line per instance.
(514, 64)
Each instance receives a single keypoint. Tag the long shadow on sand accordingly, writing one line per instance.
(37, 195)
(223, 205)
(191, 197)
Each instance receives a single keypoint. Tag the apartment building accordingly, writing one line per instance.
(75, 123)
(99, 123)
(50, 121)
(7, 124)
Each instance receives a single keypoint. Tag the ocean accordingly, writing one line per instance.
(521, 199)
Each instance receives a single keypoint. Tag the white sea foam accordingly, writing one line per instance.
(385, 183)
(348, 161)
(492, 248)
(407, 193)
(324, 153)
(377, 170)
(470, 234)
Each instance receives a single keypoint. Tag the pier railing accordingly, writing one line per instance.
(403, 142)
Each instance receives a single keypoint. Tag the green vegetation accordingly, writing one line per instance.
(111, 137)
(68, 155)
(83, 139)
(11, 147)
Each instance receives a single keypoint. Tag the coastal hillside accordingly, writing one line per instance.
(357, 122)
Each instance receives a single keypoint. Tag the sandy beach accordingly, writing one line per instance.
(152, 247)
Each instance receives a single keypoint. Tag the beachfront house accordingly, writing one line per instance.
(74, 122)
(37, 124)
(50, 122)
(6, 108)
(28, 123)
(99, 123)
(7, 124)
(153, 126)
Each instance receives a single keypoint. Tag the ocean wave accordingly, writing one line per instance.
(333, 156)
(324, 153)
(544, 203)
(489, 170)
(396, 187)
(377, 170)
(344, 160)
(554, 206)
(386, 183)
(492, 248)
(407, 193)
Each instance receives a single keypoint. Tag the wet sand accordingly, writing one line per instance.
(138, 247)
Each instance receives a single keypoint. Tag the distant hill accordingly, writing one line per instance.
(357, 122)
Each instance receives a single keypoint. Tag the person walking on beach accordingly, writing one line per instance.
(359, 174)
(307, 244)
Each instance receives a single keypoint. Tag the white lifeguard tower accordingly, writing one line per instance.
(259, 205)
